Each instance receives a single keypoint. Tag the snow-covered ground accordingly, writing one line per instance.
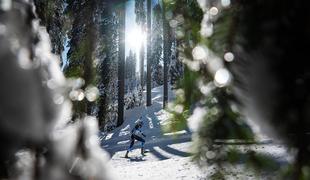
(168, 156)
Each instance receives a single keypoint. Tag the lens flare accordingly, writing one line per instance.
(222, 77)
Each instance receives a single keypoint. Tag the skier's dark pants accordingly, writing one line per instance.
(133, 138)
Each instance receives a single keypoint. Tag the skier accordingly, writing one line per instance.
(136, 134)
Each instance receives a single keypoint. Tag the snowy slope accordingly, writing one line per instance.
(169, 157)
(152, 117)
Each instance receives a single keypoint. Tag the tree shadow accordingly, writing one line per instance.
(175, 151)
(157, 154)
(153, 123)
(122, 133)
(152, 129)
(162, 143)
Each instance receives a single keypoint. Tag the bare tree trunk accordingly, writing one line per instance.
(167, 49)
(88, 63)
(142, 65)
(121, 63)
(148, 69)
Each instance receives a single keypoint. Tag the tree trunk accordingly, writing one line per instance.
(142, 65)
(121, 63)
(148, 69)
(167, 49)
(105, 67)
(88, 63)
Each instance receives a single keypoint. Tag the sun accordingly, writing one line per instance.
(135, 38)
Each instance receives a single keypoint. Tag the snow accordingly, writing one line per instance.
(180, 168)
(64, 53)
(195, 120)
(169, 156)
(152, 117)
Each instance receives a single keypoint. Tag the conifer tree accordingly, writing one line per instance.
(121, 62)
(149, 57)
(141, 21)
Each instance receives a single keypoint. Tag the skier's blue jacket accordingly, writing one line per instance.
(136, 131)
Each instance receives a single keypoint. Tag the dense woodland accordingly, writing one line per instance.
(97, 53)
(232, 64)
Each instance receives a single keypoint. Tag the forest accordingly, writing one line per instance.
(183, 89)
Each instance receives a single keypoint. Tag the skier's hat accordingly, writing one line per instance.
(139, 122)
